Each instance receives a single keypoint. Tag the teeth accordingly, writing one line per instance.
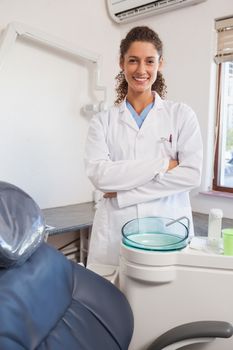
(140, 79)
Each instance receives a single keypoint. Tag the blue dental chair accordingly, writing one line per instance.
(47, 301)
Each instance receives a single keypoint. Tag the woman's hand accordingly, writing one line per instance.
(110, 194)
(172, 164)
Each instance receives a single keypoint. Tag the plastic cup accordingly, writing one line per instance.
(227, 241)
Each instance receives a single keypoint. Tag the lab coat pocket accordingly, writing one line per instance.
(166, 149)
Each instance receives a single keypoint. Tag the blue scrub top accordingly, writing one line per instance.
(139, 118)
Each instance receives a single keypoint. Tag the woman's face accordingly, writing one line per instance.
(140, 65)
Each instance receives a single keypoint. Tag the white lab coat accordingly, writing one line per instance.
(122, 158)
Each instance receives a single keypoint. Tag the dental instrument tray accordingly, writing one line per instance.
(156, 233)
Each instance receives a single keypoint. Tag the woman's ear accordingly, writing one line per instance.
(161, 64)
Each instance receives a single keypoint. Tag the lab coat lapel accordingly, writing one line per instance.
(126, 117)
(152, 115)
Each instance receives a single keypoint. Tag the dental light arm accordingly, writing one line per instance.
(14, 30)
(190, 333)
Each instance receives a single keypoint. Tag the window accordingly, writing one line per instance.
(223, 162)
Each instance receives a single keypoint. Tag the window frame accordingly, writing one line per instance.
(220, 60)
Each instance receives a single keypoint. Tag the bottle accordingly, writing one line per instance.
(214, 229)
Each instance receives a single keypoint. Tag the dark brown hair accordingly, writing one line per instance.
(141, 33)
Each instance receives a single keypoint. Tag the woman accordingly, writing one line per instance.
(145, 153)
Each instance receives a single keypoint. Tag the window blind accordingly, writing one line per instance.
(224, 28)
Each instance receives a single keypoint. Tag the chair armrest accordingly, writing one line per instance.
(193, 330)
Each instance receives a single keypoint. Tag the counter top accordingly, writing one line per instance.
(69, 218)
(200, 222)
(77, 216)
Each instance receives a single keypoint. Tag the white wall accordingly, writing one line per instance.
(189, 42)
(43, 131)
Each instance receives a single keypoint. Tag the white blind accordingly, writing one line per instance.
(224, 28)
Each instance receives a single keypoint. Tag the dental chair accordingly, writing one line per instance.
(47, 301)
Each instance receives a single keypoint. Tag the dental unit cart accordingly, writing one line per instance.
(168, 289)
(180, 297)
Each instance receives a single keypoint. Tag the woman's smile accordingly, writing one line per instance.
(140, 79)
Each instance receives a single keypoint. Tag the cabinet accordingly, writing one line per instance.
(69, 229)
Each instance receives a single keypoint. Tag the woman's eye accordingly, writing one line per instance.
(150, 62)
(132, 60)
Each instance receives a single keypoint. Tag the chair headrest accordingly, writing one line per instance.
(22, 225)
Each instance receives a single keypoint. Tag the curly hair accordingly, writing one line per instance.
(142, 33)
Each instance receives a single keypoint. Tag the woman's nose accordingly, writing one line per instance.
(141, 67)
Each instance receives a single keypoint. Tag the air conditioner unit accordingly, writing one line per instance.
(122, 11)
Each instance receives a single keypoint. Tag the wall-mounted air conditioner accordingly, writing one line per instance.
(123, 11)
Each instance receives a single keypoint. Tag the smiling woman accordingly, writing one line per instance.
(145, 153)
(140, 66)
(145, 42)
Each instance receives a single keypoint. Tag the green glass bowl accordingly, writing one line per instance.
(156, 234)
